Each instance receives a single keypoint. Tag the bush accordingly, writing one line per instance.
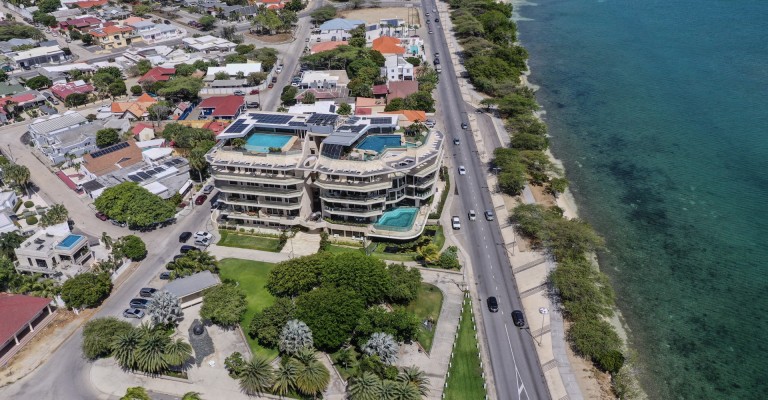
(86, 290)
(266, 325)
(592, 338)
(224, 305)
(98, 335)
(31, 220)
(610, 361)
(136, 90)
(130, 246)
(332, 314)
(443, 196)
(449, 259)
(29, 203)
(234, 364)
(325, 244)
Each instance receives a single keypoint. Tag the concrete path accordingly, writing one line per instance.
(222, 252)
(302, 244)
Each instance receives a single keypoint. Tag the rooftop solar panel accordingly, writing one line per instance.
(143, 175)
(109, 149)
(135, 178)
(322, 119)
(296, 123)
(381, 120)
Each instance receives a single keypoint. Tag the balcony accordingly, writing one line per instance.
(223, 174)
(353, 199)
(247, 189)
(261, 203)
(355, 212)
(420, 183)
(361, 186)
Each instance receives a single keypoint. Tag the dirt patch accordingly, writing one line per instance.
(542, 197)
(411, 15)
(279, 38)
(593, 383)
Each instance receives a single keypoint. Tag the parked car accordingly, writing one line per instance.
(204, 242)
(462, 170)
(255, 91)
(493, 304)
(437, 61)
(165, 21)
(177, 256)
(203, 235)
(437, 19)
(489, 215)
(140, 303)
(118, 223)
(187, 248)
(271, 85)
(101, 216)
(518, 318)
(430, 31)
(133, 313)
(184, 237)
(455, 222)
(472, 215)
(200, 199)
(274, 79)
(147, 292)
(238, 93)
(208, 189)
(165, 275)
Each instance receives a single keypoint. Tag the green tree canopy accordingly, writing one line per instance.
(332, 314)
(182, 88)
(136, 90)
(267, 324)
(185, 69)
(107, 137)
(11, 30)
(324, 13)
(39, 82)
(131, 203)
(193, 262)
(130, 246)
(405, 283)
(224, 305)
(207, 22)
(98, 335)
(344, 109)
(295, 276)
(365, 275)
(86, 290)
(76, 99)
(57, 214)
(288, 95)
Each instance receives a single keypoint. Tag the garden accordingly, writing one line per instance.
(249, 241)
(465, 376)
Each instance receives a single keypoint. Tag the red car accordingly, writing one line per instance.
(255, 91)
(101, 216)
(200, 199)
(271, 85)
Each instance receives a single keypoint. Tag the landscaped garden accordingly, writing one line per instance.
(427, 307)
(246, 241)
(465, 379)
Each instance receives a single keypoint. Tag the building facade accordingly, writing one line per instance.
(47, 253)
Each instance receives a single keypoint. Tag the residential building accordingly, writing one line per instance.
(67, 14)
(350, 176)
(396, 68)
(23, 317)
(234, 69)
(113, 36)
(337, 29)
(401, 89)
(158, 74)
(109, 159)
(25, 100)
(222, 107)
(62, 135)
(408, 117)
(86, 5)
(330, 79)
(387, 45)
(63, 90)
(189, 289)
(7, 225)
(318, 107)
(7, 46)
(113, 13)
(142, 132)
(49, 253)
(158, 171)
(337, 94)
(326, 46)
(82, 24)
(371, 104)
(8, 201)
(40, 55)
(133, 109)
(209, 44)
(227, 83)
(150, 32)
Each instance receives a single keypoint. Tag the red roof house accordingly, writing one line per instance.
(222, 107)
(83, 24)
(89, 4)
(402, 89)
(158, 74)
(62, 90)
(20, 316)
(388, 45)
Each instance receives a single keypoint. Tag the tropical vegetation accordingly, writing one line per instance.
(128, 202)
(86, 290)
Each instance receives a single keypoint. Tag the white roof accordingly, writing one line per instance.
(233, 69)
(191, 284)
(148, 144)
(318, 76)
(37, 52)
(69, 67)
(157, 152)
(156, 188)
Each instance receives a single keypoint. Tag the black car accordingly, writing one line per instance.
(187, 248)
(493, 304)
(437, 19)
(177, 256)
(437, 61)
(184, 237)
(165, 275)
(147, 292)
(464, 125)
(518, 319)
(140, 303)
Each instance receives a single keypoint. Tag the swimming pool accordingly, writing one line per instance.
(378, 143)
(398, 219)
(69, 242)
(261, 142)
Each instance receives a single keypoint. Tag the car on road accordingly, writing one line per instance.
(118, 223)
(518, 318)
(133, 313)
(430, 31)
(456, 141)
(279, 69)
(165, 275)
(455, 222)
(140, 303)
(462, 170)
(464, 125)
(147, 292)
(489, 215)
(437, 19)
(204, 242)
(208, 189)
(427, 14)
(274, 79)
(271, 85)
(437, 61)
(187, 248)
(184, 237)
(238, 93)
(165, 21)
(472, 215)
(203, 235)
(493, 304)
(200, 199)
(430, 123)
(101, 216)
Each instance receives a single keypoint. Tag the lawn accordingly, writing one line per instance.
(465, 380)
(336, 249)
(427, 307)
(232, 239)
(252, 276)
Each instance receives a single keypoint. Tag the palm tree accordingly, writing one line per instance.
(406, 391)
(364, 387)
(191, 396)
(150, 356)
(257, 376)
(312, 377)
(285, 377)
(389, 390)
(19, 174)
(416, 377)
(107, 240)
(55, 215)
(238, 143)
(429, 253)
(177, 352)
(124, 348)
(197, 161)
(344, 357)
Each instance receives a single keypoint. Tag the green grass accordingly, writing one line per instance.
(427, 307)
(336, 249)
(465, 380)
(232, 239)
(252, 276)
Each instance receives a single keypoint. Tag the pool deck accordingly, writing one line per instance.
(417, 228)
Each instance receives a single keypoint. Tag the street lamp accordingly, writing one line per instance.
(543, 311)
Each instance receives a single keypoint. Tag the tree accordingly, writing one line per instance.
(87, 39)
(449, 259)
(224, 305)
(400, 323)
(18, 174)
(159, 111)
(38, 82)
(288, 95)
(267, 19)
(76, 99)
(234, 364)
(324, 13)
(344, 109)
(131, 203)
(57, 214)
(420, 100)
(185, 69)
(266, 325)
(207, 22)
(177, 352)
(382, 345)
(182, 88)
(130, 246)
(165, 309)
(256, 376)
(295, 336)
(8, 243)
(136, 90)
(141, 10)
(557, 186)
(191, 396)
(150, 354)
(366, 386)
(48, 6)
(429, 253)
(198, 162)
(365, 275)
(86, 290)
(255, 78)
(107, 137)
(191, 263)
(99, 334)
(136, 393)
(117, 89)
(285, 377)
(312, 377)
(295, 276)
(331, 313)
(10, 30)
(295, 5)
(308, 97)
(416, 377)
(124, 348)
(221, 75)
(3, 76)
(75, 35)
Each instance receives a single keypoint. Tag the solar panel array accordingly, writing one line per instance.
(322, 119)
(296, 123)
(237, 127)
(146, 174)
(271, 118)
(332, 150)
(109, 149)
(173, 162)
(380, 120)
(351, 128)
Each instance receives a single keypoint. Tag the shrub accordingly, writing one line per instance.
(443, 196)
(86, 290)
(98, 335)
(31, 220)
(130, 246)
(234, 364)
(29, 203)
(224, 305)
(610, 361)
(136, 90)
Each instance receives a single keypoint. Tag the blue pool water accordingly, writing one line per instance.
(261, 142)
(69, 241)
(398, 219)
(378, 143)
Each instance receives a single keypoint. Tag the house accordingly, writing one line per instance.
(143, 132)
(135, 109)
(23, 316)
(408, 117)
(65, 14)
(114, 13)
(180, 109)
(396, 68)
(8, 45)
(85, 5)
(158, 74)
(324, 94)
(61, 135)
(47, 252)
(83, 24)
(39, 55)
(222, 107)
(326, 46)
(371, 104)
(380, 91)
(214, 126)
(7, 225)
(112, 158)
(336, 29)
(63, 90)
(401, 89)
(113, 36)
(388, 45)
(234, 69)
(8, 201)
(318, 107)
(228, 83)
(24, 100)
(208, 44)
(190, 289)
(151, 32)
(330, 79)
(156, 170)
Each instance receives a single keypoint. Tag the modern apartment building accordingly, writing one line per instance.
(351, 176)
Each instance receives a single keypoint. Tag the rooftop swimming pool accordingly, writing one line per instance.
(69, 242)
(378, 143)
(398, 219)
(261, 142)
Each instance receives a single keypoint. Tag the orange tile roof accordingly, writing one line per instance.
(89, 4)
(388, 45)
(325, 46)
(410, 115)
(114, 160)
(137, 107)
(368, 102)
(132, 20)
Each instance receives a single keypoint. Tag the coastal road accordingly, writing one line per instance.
(515, 365)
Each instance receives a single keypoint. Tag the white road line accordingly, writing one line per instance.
(520, 384)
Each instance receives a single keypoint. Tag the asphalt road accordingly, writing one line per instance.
(515, 366)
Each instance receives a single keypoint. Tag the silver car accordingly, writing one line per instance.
(133, 313)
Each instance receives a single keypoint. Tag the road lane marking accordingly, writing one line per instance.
(519, 379)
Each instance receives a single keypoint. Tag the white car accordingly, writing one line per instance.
(455, 222)
(472, 215)
(203, 235)
(462, 170)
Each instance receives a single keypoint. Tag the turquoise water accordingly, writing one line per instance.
(659, 111)
(261, 142)
(69, 241)
(378, 143)
(400, 218)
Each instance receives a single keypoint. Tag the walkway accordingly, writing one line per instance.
(222, 252)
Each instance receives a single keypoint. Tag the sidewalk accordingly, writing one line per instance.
(222, 252)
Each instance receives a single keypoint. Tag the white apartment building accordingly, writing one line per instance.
(396, 68)
(151, 32)
(209, 44)
(39, 55)
(61, 135)
(335, 30)
(330, 79)
(353, 177)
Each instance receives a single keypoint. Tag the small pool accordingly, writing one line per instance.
(69, 241)
(261, 142)
(378, 143)
(400, 219)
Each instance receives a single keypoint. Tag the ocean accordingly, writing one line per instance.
(659, 112)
